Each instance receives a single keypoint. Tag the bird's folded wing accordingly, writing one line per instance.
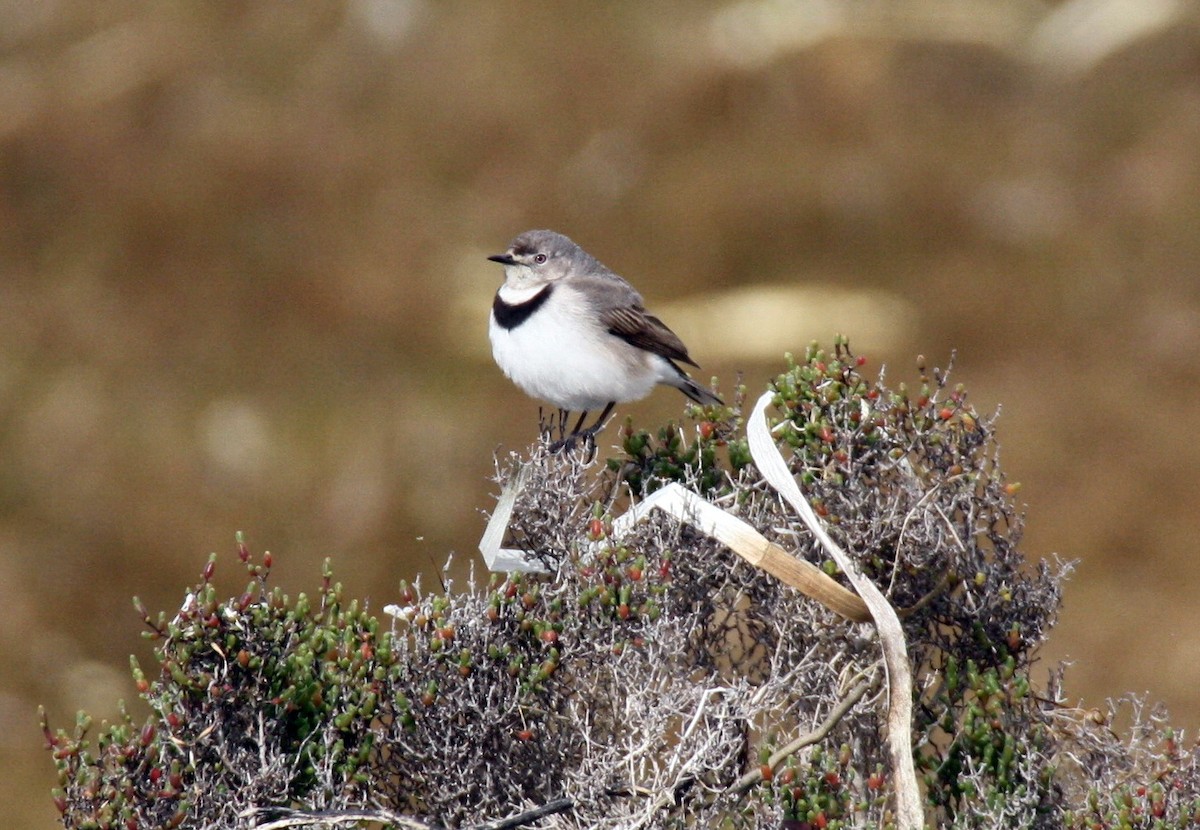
(633, 325)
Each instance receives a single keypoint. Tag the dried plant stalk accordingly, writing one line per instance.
(891, 635)
(685, 506)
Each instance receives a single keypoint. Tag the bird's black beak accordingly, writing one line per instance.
(503, 259)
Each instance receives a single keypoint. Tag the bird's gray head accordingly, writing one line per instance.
(539, 257)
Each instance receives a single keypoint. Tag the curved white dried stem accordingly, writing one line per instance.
(497, 557)
(740, 537)
(891, 635)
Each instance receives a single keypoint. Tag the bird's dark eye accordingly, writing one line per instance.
(539, 259)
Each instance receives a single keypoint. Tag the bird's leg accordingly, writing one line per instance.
(561, 424)
(567, 439)
(588, 435)
(591, 431)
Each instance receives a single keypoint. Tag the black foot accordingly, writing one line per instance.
(568, 444)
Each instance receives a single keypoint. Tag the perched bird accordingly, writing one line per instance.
(569, 331)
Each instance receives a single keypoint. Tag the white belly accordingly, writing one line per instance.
(569, 361)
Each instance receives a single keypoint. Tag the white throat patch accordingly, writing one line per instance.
(516, 296)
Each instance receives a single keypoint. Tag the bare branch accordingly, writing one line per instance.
(831, 720)
(529, 816)
(333, 818)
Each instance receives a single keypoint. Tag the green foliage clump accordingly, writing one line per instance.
(650, 460)
(828, 791)
(257, 699)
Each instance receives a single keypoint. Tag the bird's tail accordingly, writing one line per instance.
(695, 391)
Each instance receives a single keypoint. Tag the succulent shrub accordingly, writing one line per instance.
(656, 680)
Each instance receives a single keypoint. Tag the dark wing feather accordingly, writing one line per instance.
(633, 325)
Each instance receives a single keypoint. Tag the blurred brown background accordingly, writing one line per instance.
(243, 286)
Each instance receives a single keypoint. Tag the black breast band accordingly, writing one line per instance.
(510, 315)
